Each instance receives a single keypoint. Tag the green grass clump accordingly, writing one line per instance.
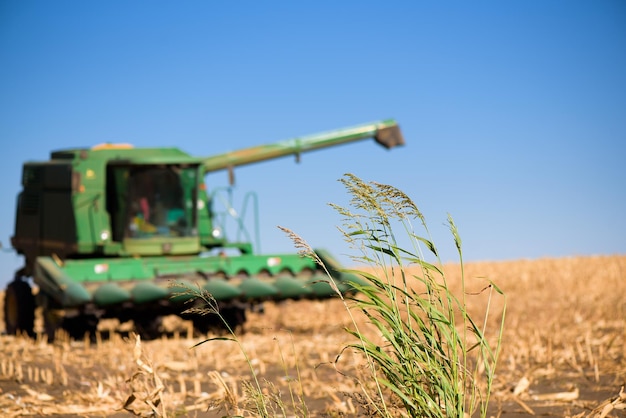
(428, 352)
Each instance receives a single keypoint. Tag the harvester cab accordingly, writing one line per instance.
(114, 231)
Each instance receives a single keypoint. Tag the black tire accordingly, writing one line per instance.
(81, 326)
(234, 316)
(51, 323)
(77, 327)
(19, 309)
(149, 328)
(203, 323)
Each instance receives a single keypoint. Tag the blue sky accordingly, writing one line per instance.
(514, 113)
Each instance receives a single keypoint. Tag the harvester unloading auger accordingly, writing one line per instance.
(106, 230)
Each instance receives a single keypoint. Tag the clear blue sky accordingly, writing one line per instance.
(514, 112)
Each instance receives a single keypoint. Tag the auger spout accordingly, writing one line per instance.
(386, 132)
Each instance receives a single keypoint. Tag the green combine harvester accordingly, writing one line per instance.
(114, 231)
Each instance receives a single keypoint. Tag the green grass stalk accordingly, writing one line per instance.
(420, 355)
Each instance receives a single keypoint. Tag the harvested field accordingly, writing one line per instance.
(563, 354)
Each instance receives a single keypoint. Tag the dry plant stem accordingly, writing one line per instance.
(229, 397)
(146, 384)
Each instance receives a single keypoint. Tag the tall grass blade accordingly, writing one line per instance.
(418, 353)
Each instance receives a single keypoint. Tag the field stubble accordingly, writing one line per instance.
(563, 354)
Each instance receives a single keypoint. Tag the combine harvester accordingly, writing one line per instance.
(106, 231)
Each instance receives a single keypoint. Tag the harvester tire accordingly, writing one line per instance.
(51, 324)
(148, 328)
(233, 316)
(81, 326)
(19, 308)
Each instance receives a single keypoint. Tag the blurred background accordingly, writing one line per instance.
(514, 113)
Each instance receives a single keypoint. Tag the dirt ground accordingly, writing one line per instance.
(563, 355)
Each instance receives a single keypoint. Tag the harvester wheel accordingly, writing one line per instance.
(234, 316)
(148, 328)
(81, 326)
(19, 308)
(204, 323)
(51, 323)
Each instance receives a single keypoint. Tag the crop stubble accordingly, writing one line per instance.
(563, 353)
